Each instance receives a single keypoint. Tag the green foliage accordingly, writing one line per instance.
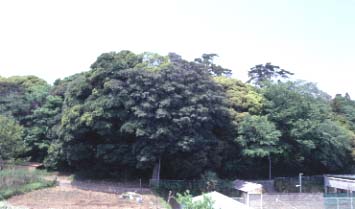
(21, 95)
(206, 61)
(263, 73)
(303, 115)
(123, 113)
(55, 158)
(179, 186)
(208, 182)
(258, 136)
(344, 109)
(242, 98)
(44, 129)
(211, 182)
(185, 200)
(11, 144)
(19, 181)
(132, 110)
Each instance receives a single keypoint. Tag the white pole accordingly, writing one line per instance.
(351, 202)
(261, 200)
(300, 181)
(159, 173)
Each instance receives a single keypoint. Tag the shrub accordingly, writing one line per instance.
(185, 200)
(208, 182)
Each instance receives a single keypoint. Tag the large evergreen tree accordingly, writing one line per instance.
(122, 115)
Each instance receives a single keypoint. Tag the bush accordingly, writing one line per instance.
(185, 200)
(211, 182)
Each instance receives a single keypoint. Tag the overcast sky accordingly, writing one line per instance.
(52, 39)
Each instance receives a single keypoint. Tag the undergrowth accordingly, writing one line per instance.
(20, 181)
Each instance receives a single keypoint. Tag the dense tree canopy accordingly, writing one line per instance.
(303, 114)
(11, 144)
(131, 112)
(122, 114)
(21, 95)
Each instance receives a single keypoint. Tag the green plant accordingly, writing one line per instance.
(210, 181)
(186, 201)
(19, 181)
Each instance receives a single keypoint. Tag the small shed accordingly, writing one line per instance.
(221, 201)
(249, 188)
(339, 182)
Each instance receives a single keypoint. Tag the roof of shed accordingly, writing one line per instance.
(222, 201)
(248, 187)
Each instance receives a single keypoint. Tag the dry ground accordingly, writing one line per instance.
(67, 196)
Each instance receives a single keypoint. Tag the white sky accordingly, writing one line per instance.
(52, 39)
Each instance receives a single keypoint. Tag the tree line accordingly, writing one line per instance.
(131, 111)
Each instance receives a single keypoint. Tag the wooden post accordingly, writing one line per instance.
(170, 196)
(270, 176)
(1, 163)
(140, 185)
(159, 173)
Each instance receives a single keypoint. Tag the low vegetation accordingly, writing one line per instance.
(186, 201)
(208, 182)
(19, 181)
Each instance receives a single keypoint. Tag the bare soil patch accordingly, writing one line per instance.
(67, 196)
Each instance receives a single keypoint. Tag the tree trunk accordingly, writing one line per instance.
(1, 163)
(155, 171)
(270, 176)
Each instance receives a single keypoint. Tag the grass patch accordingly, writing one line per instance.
(20, 181)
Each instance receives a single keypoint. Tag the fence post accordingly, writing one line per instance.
(351, 202)
(140, 185)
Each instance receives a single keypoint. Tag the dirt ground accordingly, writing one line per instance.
(66, 196)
